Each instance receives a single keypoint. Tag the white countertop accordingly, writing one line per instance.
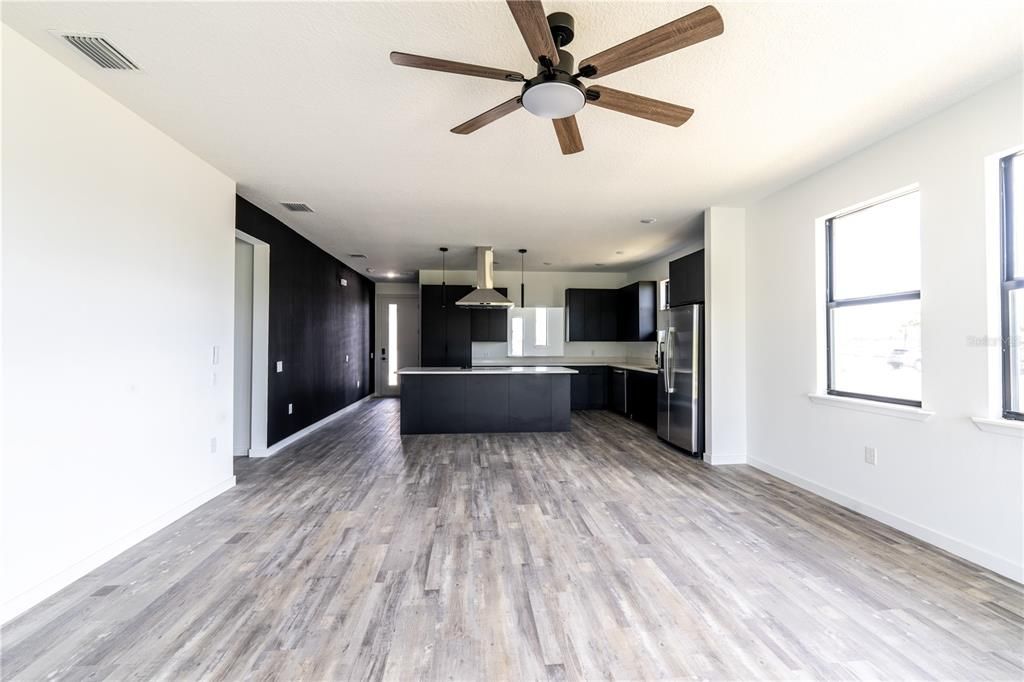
(606, 362)
(495, 369)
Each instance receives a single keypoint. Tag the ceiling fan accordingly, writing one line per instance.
(556, 92)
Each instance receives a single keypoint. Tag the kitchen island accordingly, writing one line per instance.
(484, 399)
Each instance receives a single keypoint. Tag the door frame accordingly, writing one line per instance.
(260, 343)
(380, 336)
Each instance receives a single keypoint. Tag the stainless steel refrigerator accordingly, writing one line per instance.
(681, 378)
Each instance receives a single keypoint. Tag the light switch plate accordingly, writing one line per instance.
(289, 408)
(870, 455)
(343, 282)
(280, 366)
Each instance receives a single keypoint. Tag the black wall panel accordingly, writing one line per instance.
(314, 323)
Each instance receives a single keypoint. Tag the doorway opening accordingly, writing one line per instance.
(251, 353)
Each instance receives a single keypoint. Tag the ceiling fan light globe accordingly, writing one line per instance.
(553, 99)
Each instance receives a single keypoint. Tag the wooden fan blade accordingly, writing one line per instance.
(685, 31)
(635, 105)
(533, 24)
(489, 116)
(568, 135)
(418, 62)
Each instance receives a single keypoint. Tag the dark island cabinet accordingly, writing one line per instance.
(686, 280)
(626, 314)
(445, 329)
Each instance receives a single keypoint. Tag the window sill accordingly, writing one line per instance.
(1002, 427)
(871, 407)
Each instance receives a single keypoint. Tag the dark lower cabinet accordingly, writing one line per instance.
(642, 397)
(617, 390)
(627, 392)
(589, 387)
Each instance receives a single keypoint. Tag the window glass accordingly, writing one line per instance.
(1016, 348)
(877, 250)
(1016, 190)
(876, 349)
(874, 302)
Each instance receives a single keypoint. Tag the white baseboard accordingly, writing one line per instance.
(993, 562)
(29, 598)
(299, 435)
(717, 459)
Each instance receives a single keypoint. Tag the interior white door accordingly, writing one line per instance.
(398, 339)
(243, 348)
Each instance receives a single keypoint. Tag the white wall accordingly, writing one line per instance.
(118, 252)
(941, 479)
(725, 380)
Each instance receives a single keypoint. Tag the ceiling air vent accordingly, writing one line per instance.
(357, 255)
(297, 206)
(101, 51)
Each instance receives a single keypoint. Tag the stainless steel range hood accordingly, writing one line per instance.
(484, 296)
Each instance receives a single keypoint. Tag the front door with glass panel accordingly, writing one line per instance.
(398, 343)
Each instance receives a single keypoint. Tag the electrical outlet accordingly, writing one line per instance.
(213, 445)
(289, 408)
(280, 366)
(870, 455)
(342, 281)
(359, 383)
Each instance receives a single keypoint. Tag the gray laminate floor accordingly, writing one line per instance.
(598, 554)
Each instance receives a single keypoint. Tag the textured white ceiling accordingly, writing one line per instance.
(298, 102)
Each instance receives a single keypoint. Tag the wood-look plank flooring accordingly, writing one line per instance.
(595, 554)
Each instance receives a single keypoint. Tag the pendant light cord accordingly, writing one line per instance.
(522, 278)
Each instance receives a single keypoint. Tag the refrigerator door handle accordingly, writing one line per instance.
(669, 364)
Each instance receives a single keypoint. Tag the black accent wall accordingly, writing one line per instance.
(314, 323)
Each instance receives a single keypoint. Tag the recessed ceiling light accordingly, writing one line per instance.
(648, 221)
(391, 274)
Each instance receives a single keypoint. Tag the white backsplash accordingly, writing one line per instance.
(638, 353)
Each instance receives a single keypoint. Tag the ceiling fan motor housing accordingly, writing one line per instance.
(554, 92)
(563, 28)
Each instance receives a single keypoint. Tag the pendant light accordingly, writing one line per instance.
(522, 278)
(444, 298)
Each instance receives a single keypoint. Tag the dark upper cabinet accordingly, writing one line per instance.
(444, 327)
(489, 325)
(638, 312)
(686, 279)
(574, 315)
(592, 314)
(626, 314)
(432, 327)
